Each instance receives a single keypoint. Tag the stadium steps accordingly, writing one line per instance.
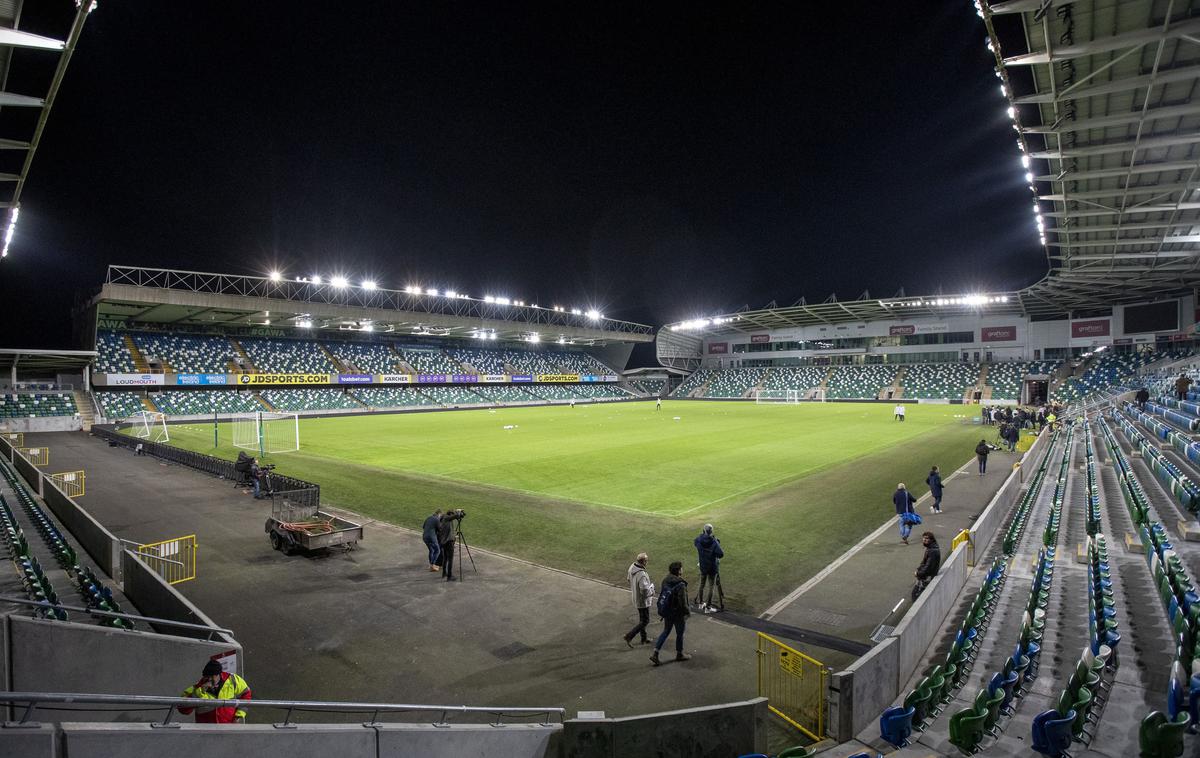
(247, 365)
(404, 366)
(897, 383)
(825, 380)
(139, 360)
(263, 402)
(148, 404)
(86, 408)
(337, 364)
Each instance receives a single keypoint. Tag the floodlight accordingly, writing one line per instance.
(503, 301)
(1012, 112)
(535, 338)
(276, 276)
(316, 279)
(562, 340)
(338, 281)
(1029, 176)
(12, 228)
(306, 324)
(1004, 298)
(594, 314)
(576, 312)
(489, 299)
(491, 335)
(368, 285)
(451, 293)
(1025, 161)
(368, 327)
(267, 322)
(431, 291)
(412, 289)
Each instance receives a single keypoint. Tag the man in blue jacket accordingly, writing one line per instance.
(934, 480)
(904, 502)
(708, 550)
(429, 534)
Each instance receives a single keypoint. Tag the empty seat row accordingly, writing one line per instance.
(1091, 493)
(186, 353)
(1054, 517)
(651, 387)
(30, 404)
(860, 381)
(939, 380)
(799, 378)
(1016, 525)
(1179, 418)
(287, 356)
(310, 399)
(1181, 486)
(365, 357)
(391, 397)
(33, 580)
(195, 402)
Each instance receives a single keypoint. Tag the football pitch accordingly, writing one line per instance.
(584, 489)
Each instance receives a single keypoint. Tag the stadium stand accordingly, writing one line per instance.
(193, 403)
(795, 378)
(651, 387)
(860, 382)
(598, 391)
(735, 382)
(574, 362)
(112, 354)
(453, 395)
(1005, 379)
(939, 380)
(186, 353)
(694, 381)
(29, 405)
(391, 397)
(1107, 370)
(483, 361)
(287, 356)
(364, 357)
(310, 400)
(430, 361)
(117, 405)
(504, 393)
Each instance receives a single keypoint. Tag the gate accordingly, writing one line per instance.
(174, 560)
(794, 685)
(70, 482)
(38, 456)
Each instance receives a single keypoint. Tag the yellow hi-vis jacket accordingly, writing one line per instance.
(233, 687)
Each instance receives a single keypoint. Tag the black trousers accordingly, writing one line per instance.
(712, 580)
(643, 620)
(448, 559)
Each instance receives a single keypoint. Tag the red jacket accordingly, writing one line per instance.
(233, 687)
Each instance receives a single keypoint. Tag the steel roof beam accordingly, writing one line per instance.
(1124, 84)
(1172, 111)
(1024, 6)
(1144, 189)
(15, 38)
(1148, 143)
(1127, 227)
(1139, 168)
(1107, 44)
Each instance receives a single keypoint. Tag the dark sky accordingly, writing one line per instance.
(657, 161)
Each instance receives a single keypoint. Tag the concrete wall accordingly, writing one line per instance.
(859, 693)
(45, 424)
(28, 472)
(36, 741)
(66, 656)
(101, 544)
(422, 740)
(6, 449)
(155, 597)
(717, 731)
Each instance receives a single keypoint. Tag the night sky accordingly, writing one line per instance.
(656, 161)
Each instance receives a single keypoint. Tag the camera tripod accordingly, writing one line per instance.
(462, 545)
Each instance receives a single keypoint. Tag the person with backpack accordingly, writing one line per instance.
(673, 608)
(709, 553)
(981, 452)
(905, 508)
(643, 597)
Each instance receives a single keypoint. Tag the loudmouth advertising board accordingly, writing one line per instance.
(201, 379)
(284, 379)
(558, 377)
(355, 379)
(122, 380)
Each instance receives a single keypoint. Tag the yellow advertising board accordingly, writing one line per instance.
(557, 377)
(284, 379)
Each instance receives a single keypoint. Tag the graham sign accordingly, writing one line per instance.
(997, 334)
(715, 348)
(1100, 327)
(283, 378)
(906, 330)
(760, 338)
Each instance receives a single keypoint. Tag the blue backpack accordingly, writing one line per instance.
(666, 600)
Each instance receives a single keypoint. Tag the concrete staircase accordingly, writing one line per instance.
(247, 364)
(397, 362)
(148, 405)
(340, 367)
(266, 406)
(139, 360)
(86, 409)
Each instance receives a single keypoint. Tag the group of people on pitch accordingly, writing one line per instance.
(672, 602)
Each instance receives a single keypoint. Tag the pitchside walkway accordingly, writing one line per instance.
(853, 595)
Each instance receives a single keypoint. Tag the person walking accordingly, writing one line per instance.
(673, 607)
(643, 598)
(899, 411)
(429, 535)
(217, 684)
(1014, 436)
(934, 480)
(658, 404)
(930, 564)
(981, 452)
(445, 531)
(905, 504)
(709, 553)
(1142, 397)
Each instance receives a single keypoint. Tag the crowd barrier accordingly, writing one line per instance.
(153, 596)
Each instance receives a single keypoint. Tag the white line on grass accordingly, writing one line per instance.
(837, 562)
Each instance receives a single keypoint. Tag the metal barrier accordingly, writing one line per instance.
(16, 438)
(72, 483)
(965, 537)
(174, 560)
(201, 462)
(794, 685)
(38, 456)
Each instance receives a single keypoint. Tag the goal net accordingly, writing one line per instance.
(777, 396)
(267, 432)
(149, 425)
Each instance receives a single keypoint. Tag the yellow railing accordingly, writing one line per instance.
(70, 482)
(174, 559)
(16, 438)
(38, 456)
(794, 685)
(960, 538)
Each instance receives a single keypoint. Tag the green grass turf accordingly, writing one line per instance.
(584, 489)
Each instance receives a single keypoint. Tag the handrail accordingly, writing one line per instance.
(138, 552)
(33, 699)
(114, 614)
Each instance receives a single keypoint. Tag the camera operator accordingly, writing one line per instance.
(446, 538)
(261, 474)
(242, 467)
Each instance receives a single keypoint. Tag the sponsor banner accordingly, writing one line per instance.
(1125, 341)
(395, 378)
(465, 378)
(718, 348)
(612, 378)
(557, 377)
(758, 338)
(901, 331)
(493, 378)
(906, 330)
(121, 380)
(997, 334)
(1091, 328)
(431, 378)
(201, 379)
(284, 379)
(355, 379)
(522, 377)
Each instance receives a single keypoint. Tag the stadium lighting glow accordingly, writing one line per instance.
(1012, 112)
(594, 314)
(368, 285)
(11, 230)
(562, 340)
(412, 289)
(491, 335)
(489, 299)
(338, 281)
(1004, 298)
(1029, 176)
(451, 293)
(1025, 161)
(315, 279)
(576, 312)
(306, 324)
(503, 301)
(276, 276)
(431, 291)
(535, 338)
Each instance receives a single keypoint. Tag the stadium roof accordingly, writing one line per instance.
(1104, 103)
(160, 297)
(20, 149)
(45, 360)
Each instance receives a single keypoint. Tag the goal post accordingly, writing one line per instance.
(267, 432)
(763, 396)
(149, 425)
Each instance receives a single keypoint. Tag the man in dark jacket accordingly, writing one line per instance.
(1181, 386)
(905, 503)
(445, 532)
(981, 452)
(1142, 397)
(676, 613)
(429, 534)
(934, 480)
(708, 550)
(929, 564)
